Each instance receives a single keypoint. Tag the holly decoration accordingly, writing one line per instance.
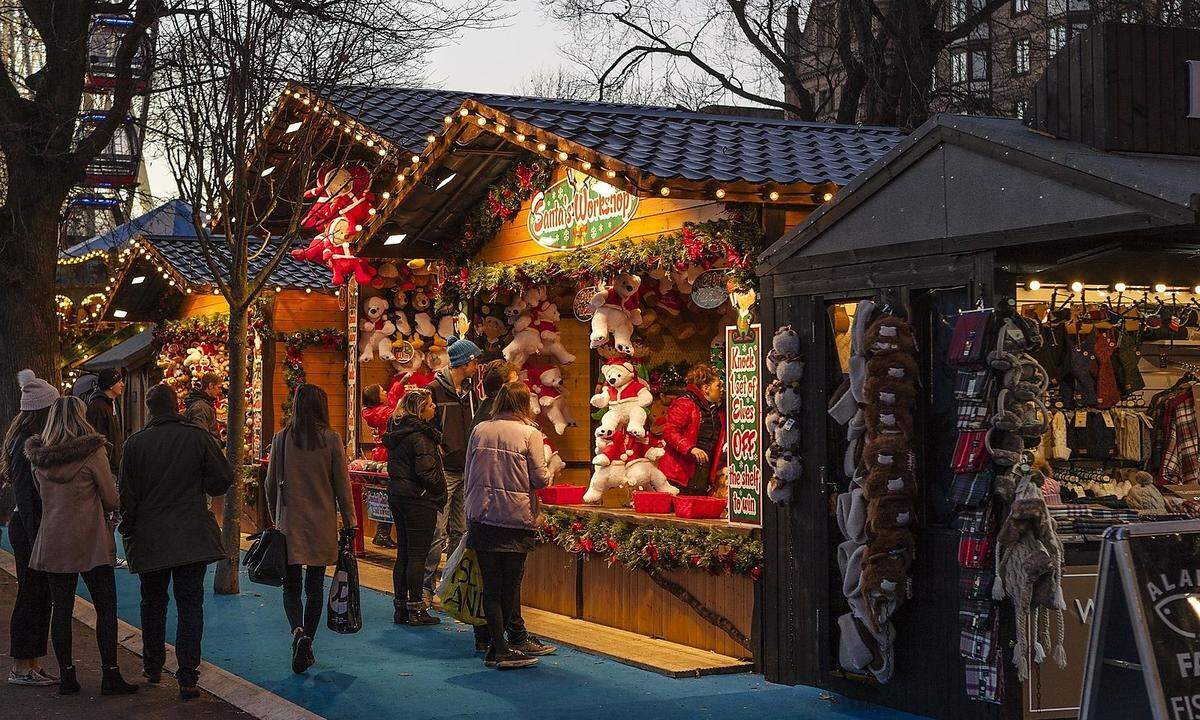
(715, 551)
(294, 344)
(728, 242)
(525, 177)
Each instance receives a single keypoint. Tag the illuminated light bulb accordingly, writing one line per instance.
(464, 112)
(307, 101)
(416, 159)
(720, 193)
(386, 195)
(370, 143)
(1035, 285)
(541, 147)
(1196, 290)
(1160, 288)
(520, 137)
(358, 228)
(500, 129)
(1077, 286)
(562, 156)
(611, 174)
(358, 136)
(308, 291)
(827, 197)
(346, 129)
(400, 177)
(774, 195)
(278, 289)
(448, 119)
(586, 165)
(372, 211)
(382, 152)
(431, 138)
(336, 122)
(664, 191)
(1119, 287)
(481, 121)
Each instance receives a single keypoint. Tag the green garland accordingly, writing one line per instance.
(657, 547)
(525, 177)
(294, 344)
(724, 242)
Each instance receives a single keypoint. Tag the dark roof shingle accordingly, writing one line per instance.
(665, 142)
(187, 258)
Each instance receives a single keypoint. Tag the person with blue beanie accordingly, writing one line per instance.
(453, 396)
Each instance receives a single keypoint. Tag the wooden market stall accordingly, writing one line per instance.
(1082, 238)
(513, 211)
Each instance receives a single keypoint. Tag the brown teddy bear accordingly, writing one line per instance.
(889, 334)
(889, 512)
(885, 450)
(898, 366)
(889, 419)
(893, 541)
(884, 576)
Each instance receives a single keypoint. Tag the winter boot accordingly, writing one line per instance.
(418, 614)
(399, 612)
(68, 684)
(113, 684)
(383, 536)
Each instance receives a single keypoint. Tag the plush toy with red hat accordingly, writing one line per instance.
(624, 396)
(608, 465)
(641, 465)
(546, 385)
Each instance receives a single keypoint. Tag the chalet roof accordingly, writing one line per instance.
(173, 217)
(960, 182)
(186, 257)
(666, 143)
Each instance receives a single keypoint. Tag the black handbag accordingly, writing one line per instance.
(345, 607)
(266, 561)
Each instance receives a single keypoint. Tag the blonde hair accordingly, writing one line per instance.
(514, 399)
(67, 420)
(413, 402)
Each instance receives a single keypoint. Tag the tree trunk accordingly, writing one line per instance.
(226, 582)
(28, 324)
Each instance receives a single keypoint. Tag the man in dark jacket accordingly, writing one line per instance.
(171, 469)
(455, 403)
(102, 414)
(199, 405)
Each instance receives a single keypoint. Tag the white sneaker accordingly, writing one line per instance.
(121, 564)
(30, 679)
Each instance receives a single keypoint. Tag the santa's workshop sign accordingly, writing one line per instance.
(578, 211)
(743, 418)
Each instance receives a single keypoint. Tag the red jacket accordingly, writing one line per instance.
(377, 418)
(681, 428)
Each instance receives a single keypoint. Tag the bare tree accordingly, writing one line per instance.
(224, 70)
(43, 159)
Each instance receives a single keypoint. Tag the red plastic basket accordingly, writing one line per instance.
(699, 508)
(562, 494)
(651, 503)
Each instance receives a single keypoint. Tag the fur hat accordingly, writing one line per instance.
(1006, 449)
(888, 419)
(885, 450)
(1027, 516)
(898, 366)
(852, 514)
(889, 512)
(888, 334)
(890, 480)
(888, 391)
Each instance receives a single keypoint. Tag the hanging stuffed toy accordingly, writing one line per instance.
(554, 462)
(409, 374)
(545, 318)
(625, 396)
(546, 387)
(616, 313)
(378, 328)
(491, 330)
(422, 321)
(526, 340)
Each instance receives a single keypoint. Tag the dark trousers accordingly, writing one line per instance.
(502, 575)
(187, 582)
(102, 584)
(451, 526)
(304, 613)
(415, 526)
(30, 627)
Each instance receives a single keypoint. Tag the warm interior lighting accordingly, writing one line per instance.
(395, 239)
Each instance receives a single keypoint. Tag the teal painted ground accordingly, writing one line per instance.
(387, 671)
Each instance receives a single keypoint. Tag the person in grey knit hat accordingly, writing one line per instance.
(30, 626)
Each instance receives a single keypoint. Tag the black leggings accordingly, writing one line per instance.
(102, 584)
(415, 526)
(30, 625)
(502, 573)
(304, 613)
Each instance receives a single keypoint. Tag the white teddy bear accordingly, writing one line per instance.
(545, 317)
(554, 461)
(641, 468)
(378, 326)
(546, 386)
(626, 396)
(608, 467)
(526, 340)
(616, 311)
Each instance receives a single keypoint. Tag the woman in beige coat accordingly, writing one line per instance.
(307, 486)
(71, 470)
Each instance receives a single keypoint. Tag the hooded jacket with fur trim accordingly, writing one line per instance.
(77, 489)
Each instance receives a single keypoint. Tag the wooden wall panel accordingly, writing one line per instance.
(298, 310)
(550, 581)
(200, 305)
(326, 368)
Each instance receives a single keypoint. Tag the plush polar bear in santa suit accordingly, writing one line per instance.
(608, 467)
(616, 311)
(641, 469)
(546, 386)
(377, 325)
(544, 318)
(554, 461)
(626, 397)
(527, 340)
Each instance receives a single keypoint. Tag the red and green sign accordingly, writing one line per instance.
(578, 211)
(743, 424)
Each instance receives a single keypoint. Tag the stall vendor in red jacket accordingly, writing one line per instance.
(694, 431)
(377, 411)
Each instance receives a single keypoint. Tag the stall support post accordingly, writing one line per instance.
(360, 541)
